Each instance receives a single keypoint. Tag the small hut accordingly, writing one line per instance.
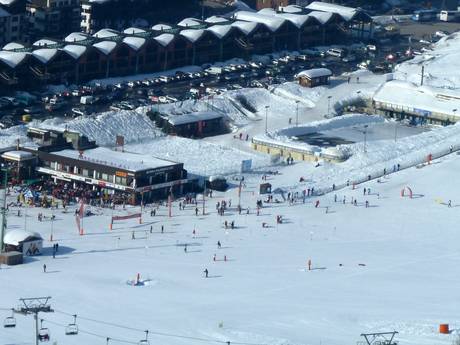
(27, 242)
(314, 77)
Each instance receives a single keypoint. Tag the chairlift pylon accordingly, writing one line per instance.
(10, 321)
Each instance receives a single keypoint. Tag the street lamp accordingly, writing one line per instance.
(266, 118)
(5, 170)
(297, 113)
(328, 105)
(365, 137)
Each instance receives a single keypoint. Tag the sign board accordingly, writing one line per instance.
(422, 112)
(246, 165)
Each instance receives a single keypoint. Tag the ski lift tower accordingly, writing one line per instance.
(33, 306)
(381, 338)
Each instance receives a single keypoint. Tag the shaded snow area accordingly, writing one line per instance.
(442, 65)
(104, 127)
(386, 267)
(200, 157)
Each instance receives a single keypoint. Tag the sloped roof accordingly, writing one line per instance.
(189, 22)
(347, 13)
(132, 31)
(12, 46)
(272, 22)
(322, 17)
(245, 27)
(76, 37)
(105, 33)
(12, 59)
(17, 236)
(220, 30)
(215, 20)
(192, 35)
(164, 39)
(74, 50)
(135, 43)
(161, 27)
(44, 42)
(44, 55)
(105, 47)
(315, 73)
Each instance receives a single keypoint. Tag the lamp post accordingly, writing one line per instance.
(365, 137)
(328, 105)
(3, 225)
(297, 113)
(266, 118)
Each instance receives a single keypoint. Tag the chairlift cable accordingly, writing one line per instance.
(159, 333)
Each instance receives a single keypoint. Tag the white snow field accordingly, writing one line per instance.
(392, 266)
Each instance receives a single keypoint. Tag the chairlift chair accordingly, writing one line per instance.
(43, 334)
(71, 329)
(9, 322)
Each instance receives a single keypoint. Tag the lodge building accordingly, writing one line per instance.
(81, 57)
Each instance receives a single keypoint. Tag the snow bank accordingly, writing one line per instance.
(104, 128)
(199, 157)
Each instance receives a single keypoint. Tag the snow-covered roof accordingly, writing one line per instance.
(164, 39)
(44, 42)
(124, 160)
(272, 22)
(297, 19)
(419, 99)
(215, 20)
(315, 73)
(132, 31)
(322, 17)
(74, 51)
(245, 27)
(17, 155)
(13, 46)
(347, 13)
(76, 37)
(105, 33)
(176, 120)
(161, 27)
(291, 9)
(44, 55)
(192, 35)
(105, 47)
(220, 30)
(17, 236)
(135, 43)
(189, 22)
(12, 59)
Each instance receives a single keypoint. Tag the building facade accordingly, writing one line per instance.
(52, 18)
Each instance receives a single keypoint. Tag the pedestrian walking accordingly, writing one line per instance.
(185, 248)
(133, 236)
(449, 204)
(206, 272)
(44, 268)
(162, 229)
(196, 211)
(219, 245)
(151, 228)
(367, 203)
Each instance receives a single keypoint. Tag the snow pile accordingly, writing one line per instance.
(199, 157)
(104, 128)
(9, 136)
(442, 65)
